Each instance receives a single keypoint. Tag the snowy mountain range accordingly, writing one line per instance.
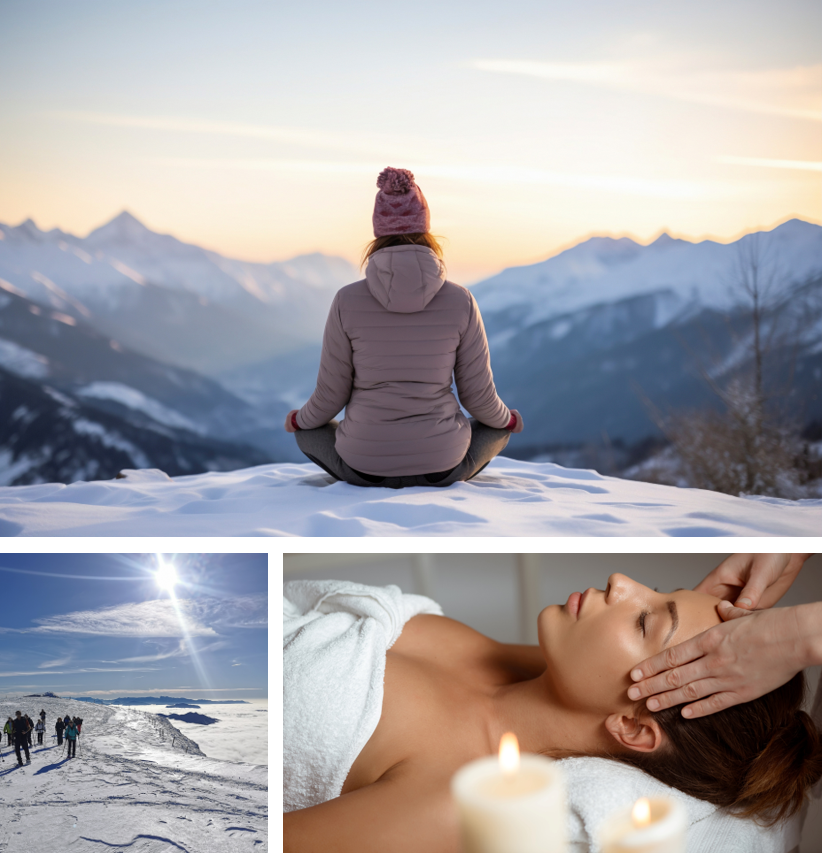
(101, 338)
(77, 406)
(172, 300)
(578, 340)
(196, 357)
(583, 341)
(159, 700)
(680, 274)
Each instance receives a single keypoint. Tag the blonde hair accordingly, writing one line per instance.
(419, 239)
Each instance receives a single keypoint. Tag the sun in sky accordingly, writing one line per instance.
(166, 575)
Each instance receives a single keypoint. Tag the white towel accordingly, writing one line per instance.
(335, 636)
(597, 787)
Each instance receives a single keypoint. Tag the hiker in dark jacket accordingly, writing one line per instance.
(71, 739)
(31, 729)
(58, 727)
(22, 734)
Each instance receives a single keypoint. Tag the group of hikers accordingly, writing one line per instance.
(18, 730)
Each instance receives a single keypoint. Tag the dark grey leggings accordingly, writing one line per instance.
(319, 446)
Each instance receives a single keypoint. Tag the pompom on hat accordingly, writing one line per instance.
(400, 206)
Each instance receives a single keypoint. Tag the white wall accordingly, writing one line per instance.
(482, 590)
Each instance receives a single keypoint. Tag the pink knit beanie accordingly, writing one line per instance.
(400, 206)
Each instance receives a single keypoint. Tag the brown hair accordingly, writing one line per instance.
(757, 759)
(420, 239)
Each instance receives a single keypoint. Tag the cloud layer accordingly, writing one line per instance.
(202, 617)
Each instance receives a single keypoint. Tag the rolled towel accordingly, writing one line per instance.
(598, 787)
(335, 636)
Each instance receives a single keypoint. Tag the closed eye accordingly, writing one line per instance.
(641, 621)
(642, 616)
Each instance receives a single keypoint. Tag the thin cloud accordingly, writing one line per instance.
(52, 663)
(51, 674)
(789, 92)
(478, 173)
(144, 619)
(43, 280)
(763, 162)
(240, 611)
(183, 649)
(200, 617)
(324, 139)
(179, 651)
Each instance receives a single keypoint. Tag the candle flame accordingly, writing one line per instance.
(509, 753)
(641, 812)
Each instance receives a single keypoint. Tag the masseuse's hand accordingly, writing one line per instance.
(753, 581)
(712, 664)
(746, 656)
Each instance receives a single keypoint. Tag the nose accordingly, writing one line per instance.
(618, 587)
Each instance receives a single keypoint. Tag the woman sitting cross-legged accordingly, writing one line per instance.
(392, 344)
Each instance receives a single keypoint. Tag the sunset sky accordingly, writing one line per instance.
(257, 129)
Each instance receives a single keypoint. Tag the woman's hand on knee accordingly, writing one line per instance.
(289, 427)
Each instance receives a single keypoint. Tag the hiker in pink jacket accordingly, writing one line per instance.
(392, 343)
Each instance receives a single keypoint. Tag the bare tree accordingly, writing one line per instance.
(749, 444)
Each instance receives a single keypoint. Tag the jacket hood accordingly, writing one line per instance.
(404, 279)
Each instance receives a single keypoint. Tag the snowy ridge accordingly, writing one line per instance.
(164, 730)
(132, 786)
(603, 269)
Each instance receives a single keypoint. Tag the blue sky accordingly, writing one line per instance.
(102, 625)
(257, 129)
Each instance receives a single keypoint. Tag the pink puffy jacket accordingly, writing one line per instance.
(392, 343)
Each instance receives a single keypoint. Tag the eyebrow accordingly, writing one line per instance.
(674, 621)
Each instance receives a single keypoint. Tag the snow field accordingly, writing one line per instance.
(137, 785)
(509, 498)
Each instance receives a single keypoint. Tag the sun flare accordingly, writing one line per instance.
(166, 576)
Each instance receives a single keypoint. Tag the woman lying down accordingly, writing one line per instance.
(385, 700)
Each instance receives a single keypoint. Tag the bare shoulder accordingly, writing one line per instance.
(438, 638)
(434, 636)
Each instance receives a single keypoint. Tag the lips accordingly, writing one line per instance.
(573, 604)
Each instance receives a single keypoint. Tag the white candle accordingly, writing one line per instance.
(654, 825)
(511, 804)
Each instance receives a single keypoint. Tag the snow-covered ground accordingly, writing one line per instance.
(509, 498)
(133, 786)
(240, 735)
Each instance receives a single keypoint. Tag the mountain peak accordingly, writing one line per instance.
(126, 216)
(127, 222)
(664, 241)
(125, 227)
